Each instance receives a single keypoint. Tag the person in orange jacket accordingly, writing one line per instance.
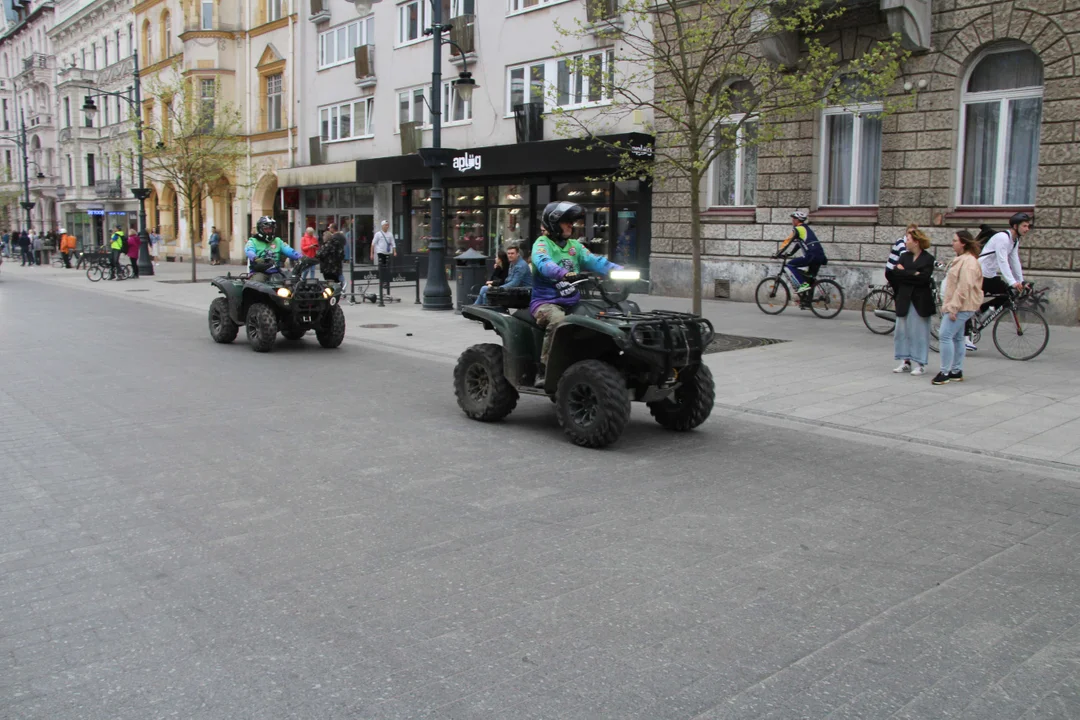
(67, 246)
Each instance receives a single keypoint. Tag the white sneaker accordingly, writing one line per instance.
(902, 367)
(968, 345)
(918, 370)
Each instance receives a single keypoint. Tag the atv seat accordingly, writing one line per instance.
(525, 316)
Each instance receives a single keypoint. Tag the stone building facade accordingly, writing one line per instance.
(992, 128)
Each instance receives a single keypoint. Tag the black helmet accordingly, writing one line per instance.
(266, 225)
(556, 213)
(1021, 217)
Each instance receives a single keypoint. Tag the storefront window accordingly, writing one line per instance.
(465, 223)
(585, 193)
(514, 195)
(325, 198)
(509, 225)
(420, 220)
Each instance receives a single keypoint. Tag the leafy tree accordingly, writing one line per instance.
(193, 143)
(699, 70)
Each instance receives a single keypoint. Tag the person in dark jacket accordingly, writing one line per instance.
(24, 246)
(331, 254)
(913, 278)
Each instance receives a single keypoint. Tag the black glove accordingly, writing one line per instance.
(261, 265)
(574, 277)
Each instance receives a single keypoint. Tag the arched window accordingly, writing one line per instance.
(733, 179)
(851, 150)
(147, 43)
(1000, 113)
(166, 34)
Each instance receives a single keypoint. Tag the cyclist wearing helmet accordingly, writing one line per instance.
(813, 256)
(264, 250)
(557, 261)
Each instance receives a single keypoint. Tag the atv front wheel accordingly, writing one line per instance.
(592, 403)
(689, 405)
(333, 332)
(222, 328)
(262, 327)
(482, 390)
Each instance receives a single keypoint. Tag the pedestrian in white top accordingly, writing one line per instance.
(383, 247)
(1000, 262)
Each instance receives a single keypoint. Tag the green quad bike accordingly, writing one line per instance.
(607, 353)
(288, 304)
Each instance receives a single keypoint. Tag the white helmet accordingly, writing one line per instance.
(800, 216)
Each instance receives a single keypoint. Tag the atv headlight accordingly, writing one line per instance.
(625, 275)
(284, 292)
(328, 292)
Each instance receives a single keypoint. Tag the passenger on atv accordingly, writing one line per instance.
(558, 261)
(265, 251)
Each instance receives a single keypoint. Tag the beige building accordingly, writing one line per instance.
(993, 131)
(244, 52)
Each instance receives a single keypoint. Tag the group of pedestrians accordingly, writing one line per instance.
(29, 244)
(977, 279)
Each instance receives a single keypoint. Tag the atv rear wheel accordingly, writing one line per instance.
(294, 333)
(222, 328)
(482, 390)
(689, 405)
(262, 327)
(333, 331)
(592, 403)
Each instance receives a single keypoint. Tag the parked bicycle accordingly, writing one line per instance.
(100, 269)
(879, 307)
(825, 298)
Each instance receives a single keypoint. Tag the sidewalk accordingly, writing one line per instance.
(829, 373)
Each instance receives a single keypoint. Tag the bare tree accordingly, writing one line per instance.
(192, 144)
(700, 71)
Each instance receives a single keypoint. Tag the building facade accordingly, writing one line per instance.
(27, 98)
(96, 156)
(992, 131)
(364, 110)
(235, 53)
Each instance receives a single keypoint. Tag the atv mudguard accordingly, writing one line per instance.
(581, 337)
(233, 290)
(521, 342)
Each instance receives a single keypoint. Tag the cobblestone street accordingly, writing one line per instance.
(194, 530)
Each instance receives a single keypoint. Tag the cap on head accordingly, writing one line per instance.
(385, 222)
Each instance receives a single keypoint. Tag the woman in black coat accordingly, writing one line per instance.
(913, 279)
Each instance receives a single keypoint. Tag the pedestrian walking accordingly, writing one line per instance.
(309, 247)
(37, 243)
(383, 248)
(67, 247)
(331, 254)
(963, 294)
(215, 246)
(24, 248)
(913, 276)
(133, 244)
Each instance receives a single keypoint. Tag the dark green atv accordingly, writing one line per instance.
(606, 354)
(288, 304)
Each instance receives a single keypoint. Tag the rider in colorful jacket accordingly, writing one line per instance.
(264, 250)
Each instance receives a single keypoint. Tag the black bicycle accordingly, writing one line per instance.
(825, 298)
(879, 306)
(1020, 331)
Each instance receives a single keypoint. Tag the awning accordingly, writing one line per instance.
(308, 175)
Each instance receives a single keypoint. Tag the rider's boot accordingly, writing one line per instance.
(541, 370)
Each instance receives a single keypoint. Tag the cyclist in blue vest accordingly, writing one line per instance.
(813, 256)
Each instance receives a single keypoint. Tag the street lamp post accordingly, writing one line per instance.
(437, 289)
(141, 193)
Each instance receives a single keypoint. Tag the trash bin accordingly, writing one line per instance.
(471, 269)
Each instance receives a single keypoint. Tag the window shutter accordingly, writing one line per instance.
(364, 61)
(462, 34)
(315, 150)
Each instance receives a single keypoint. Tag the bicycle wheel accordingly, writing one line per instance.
(94, 273)
(1021, 333)
(828, 299)
(126, 271)
(935, 333)
(772, 295)
(883, 301)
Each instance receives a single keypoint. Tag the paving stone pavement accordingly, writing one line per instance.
(193, 530)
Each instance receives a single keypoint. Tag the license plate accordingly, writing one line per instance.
(305, 318)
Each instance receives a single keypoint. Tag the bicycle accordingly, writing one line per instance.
(1020, 331)
(825, 298)
(102, 268)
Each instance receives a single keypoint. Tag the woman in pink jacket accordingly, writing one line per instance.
(133, 252)
(963, 295)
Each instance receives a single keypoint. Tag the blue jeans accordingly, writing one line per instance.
(911, 341)
(951, 338)
(308, 272)
(481, 299)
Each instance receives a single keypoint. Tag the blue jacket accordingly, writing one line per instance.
(519, 276)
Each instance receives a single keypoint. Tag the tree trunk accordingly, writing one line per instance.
(695, 239)
(191, 237)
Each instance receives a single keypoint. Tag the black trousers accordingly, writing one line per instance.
(114, 264)
(134, 266)
(384, 271)
(994, 286)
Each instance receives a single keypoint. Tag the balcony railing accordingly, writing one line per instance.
(529, 122)
(108, 188)
(364, 63)
(197, 26)
(36, 60)
(40, 120)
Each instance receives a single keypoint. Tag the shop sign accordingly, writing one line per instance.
(641, 151)
(467, 162)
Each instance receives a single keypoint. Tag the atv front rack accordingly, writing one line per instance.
(680, 338)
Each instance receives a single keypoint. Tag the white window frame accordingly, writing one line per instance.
(448, 87)
(1004, 98)
(859, 110)
(551, 80)
(528, 87)
(362, 30)
(331, 115)
(424, 19)
(203, 6)
(518, 7)
(739, 159)
(275, 99)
